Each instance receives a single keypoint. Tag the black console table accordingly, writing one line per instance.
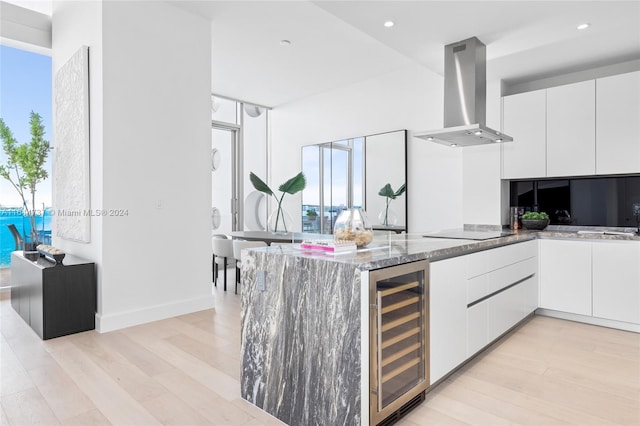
(54, 300)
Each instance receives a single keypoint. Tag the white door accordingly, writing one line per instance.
(224, 204)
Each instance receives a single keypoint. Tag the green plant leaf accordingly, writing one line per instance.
(535, 216)
(259, 185)
(387, 191)
(401, 190)
(295, 184)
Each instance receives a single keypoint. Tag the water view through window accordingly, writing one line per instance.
(25, 86)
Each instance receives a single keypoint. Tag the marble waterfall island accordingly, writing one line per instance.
(305, 325)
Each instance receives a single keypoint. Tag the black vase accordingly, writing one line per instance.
(29, 249)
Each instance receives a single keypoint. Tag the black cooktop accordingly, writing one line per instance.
(461, 234)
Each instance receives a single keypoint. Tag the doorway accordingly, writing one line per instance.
(225, 216)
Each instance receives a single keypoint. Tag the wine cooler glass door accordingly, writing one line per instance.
(399, 350)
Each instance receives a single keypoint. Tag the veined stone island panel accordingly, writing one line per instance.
(301, 338)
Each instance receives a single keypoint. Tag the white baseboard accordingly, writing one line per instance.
(110, 322)
(620, 325)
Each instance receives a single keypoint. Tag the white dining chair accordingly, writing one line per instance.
(238, 246)
(222, 256)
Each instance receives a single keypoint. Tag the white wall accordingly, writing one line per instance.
(77, 24)
(482, 187)
(410, 99)
(153, 142)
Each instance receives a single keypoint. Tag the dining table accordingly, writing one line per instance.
(271, 237)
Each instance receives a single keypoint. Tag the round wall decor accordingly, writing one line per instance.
(215, 218)
(215, 159)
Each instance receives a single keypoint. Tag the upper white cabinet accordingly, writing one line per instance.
(618, 124)
(524, 119)
(565, 276)
(616, 280)
(580, 129)
(571, 125)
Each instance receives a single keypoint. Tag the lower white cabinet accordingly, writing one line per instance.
(474, 299)
(447, 316)
(477, 327)
(595, 278)
(565, 276)
(490, 318)
(509, 307)
(616, 280)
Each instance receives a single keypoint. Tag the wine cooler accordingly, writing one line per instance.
(399, 349)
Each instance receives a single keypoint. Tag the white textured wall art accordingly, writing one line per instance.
(71, 164)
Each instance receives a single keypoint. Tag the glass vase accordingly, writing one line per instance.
(353, 225)
(388, 217)
(280, 221)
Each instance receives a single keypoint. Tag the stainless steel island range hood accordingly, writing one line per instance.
(465, 97)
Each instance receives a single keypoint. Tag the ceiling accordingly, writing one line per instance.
(336, 43)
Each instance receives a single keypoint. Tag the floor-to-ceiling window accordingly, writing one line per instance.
(25, 86)
(239, 138)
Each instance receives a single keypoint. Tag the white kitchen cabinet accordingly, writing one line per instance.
(477, 327)
(530, 294)
(618, 124)
(501, 290)
(571, 129)
(616, 280)
(524, 119)
(565, 276)
(447, 316)
(504, 310)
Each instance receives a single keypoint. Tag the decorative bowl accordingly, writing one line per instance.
(535, 224)
(51, 254)
(353, 225)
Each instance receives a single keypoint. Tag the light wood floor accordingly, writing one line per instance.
(185, 371)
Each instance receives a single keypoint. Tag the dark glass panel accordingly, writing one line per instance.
(606, 201)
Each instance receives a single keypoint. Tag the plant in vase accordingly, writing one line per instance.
(386, 217)
(535, 220)
(278, 221)
(24, 169)
(312, 214)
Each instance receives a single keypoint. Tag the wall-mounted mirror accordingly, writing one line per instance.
(350, 173)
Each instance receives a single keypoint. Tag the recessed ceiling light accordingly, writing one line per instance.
(389, 24)
(583, 26)
(453, 145)
(285, 42)
(477, 133)
(498, 140)
(430, 138)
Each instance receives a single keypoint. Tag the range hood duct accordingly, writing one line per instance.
(465, 98)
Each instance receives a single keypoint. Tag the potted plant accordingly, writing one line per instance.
(535, 220)
(312, 214)
(24, 169)
(386, 217)
(278, 220)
